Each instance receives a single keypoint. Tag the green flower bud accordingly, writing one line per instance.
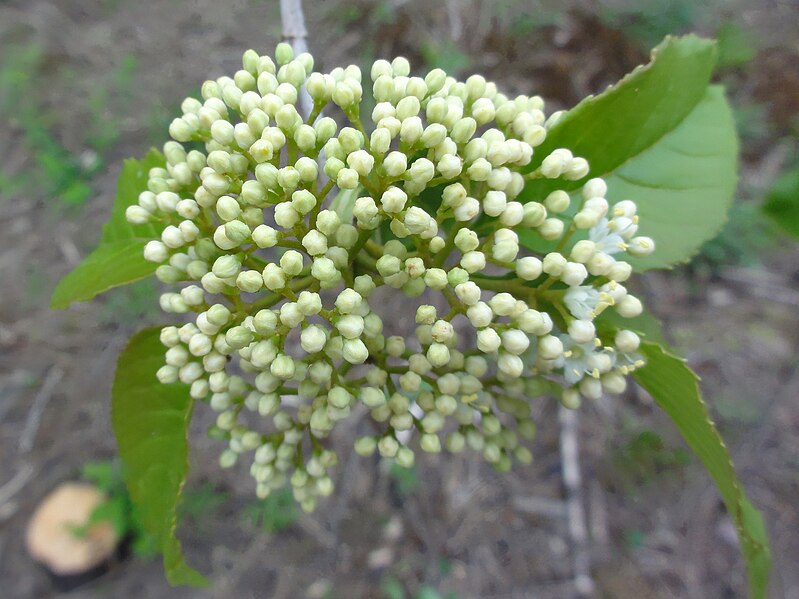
(226, 267)
(339, 397)
(388, 447)
(430, 443)
(291, 262)
(249, 281)
(325, 130)
(438, 354)
(347, 178)
(274, 277)
(324, 270)
(237, 232)
(355, 351)
(433, 135)
(283, 367)
(307, 169)
(313, 339)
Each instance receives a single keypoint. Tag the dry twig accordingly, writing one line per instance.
(34, 419)
(572, 481)
(294, 33)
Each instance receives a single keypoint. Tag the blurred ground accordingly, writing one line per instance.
(84, 84)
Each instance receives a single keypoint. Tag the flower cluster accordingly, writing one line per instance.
(280, 234)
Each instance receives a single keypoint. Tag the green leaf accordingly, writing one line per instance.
(150, 422)
(675, 388)
(782, 202)
(118, 259)
(634, 114)
(662, 137)
(110, 265)
(684, 185)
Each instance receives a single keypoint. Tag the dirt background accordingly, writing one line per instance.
(84, 84)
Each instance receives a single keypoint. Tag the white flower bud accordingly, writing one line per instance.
(591, 388)
(286, 216)
(291, 262)
(570, 399)
(483, 111)
(510, 365)
(361, 162)
(283, 367)
(347, 178)
(554, 264)
(557, 201)
(348, 301)
(395, 164)
(315, 243)
(416, 220)
(552, 228)
(435, 278)
(515, 341)
(212, 284)
(442, 331)
(585, 219)
(629, 307)
(136, 215)
(438, 354)
(228, 208)
(594, 188)
(350, 326)
(200, 345)
(495, 202)
(155, 251)
(573, 274)
(529, 268)
(488, 340)
(313, 339)
(249, 281)
(583, 251)
(473, 261)
(582, 331)
(556, 163)
(466, 240)
(393, 200)
(620, 272)
(264, 236)
(450, 166)
(324, 271)
(167, 201)
(512, 215)
(480, 315)
(226, 267)
(505, 251)
(534, 214)
(597, 205)
(433, 134)
(469, 293)
(180, 130)
(550, 347)
(355, 351)
(274, 277)
(365, 210)
(600, 264)
(576, 169)
(468, 210)
(411, 130)
(503, 304)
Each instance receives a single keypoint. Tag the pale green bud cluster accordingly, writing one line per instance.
(285, 337)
